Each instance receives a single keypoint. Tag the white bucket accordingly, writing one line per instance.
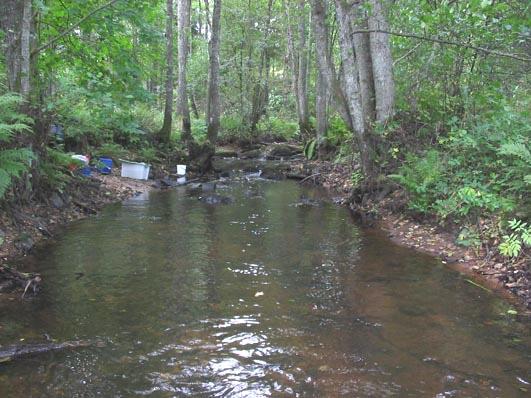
(181, 169)
(138, 171)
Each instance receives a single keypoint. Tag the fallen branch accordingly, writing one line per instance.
(310, 176)
(13, 352)
(10, 278)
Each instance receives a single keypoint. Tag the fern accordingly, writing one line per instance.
(13, 161)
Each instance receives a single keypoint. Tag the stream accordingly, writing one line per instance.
(258, 297)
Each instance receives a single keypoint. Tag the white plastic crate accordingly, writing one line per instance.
(138, 171)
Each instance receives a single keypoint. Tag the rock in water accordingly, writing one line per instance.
(215, 199)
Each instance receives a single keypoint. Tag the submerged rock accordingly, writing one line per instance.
(307, 202)
(215, 199)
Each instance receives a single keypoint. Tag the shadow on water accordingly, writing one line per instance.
(255, 298)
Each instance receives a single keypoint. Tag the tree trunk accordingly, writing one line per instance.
(382, 62)
(351, 88)
(324, 62)
(261, 90)
(183, 27)
(321, 116)
(213, 101)
(165, 131)
(363, 56)
(302, 75)
(10, 22)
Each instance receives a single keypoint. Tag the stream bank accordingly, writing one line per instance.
(23, 227)
(512, 279)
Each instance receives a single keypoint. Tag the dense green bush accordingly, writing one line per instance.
(481, 165)
(278, 129)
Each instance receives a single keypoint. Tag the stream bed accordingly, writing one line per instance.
(264, 296)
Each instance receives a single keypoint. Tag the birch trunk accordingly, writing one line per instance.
(382, 62)
(165, 131)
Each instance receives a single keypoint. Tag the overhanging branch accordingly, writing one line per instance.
(448, 42)
(72, 28)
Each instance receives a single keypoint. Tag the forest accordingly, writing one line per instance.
(430, 97)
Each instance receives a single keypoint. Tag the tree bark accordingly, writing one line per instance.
(302, 75)
(183, 27)
(363, 56)
(382, 62)
(324, 62)
(10, 23)
(165, 131)
(321, 116)
(351, 87)
(213, 101)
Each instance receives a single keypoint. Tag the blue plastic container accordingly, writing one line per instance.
(85, 171)
(105, 166)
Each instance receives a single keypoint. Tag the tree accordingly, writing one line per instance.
(213, 100)
(351, 89)
(183, 27)
(165, 131)
(382, 62)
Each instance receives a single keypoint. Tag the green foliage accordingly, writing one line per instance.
(520, 236)
(232, 128)
(421, 177)
(278, 129)
(199, 130)
(469, 237)
(485, 168)
(310, 149)
(13, 161)
(148, 154)
(54, 168)
(356, 178)
(112, 150)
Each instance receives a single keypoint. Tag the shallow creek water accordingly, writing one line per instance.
(251, 299)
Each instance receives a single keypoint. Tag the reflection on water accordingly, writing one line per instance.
(255, 298)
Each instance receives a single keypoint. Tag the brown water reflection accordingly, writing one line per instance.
(257, 298)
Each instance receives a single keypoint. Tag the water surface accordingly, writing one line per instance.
(252, 299)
